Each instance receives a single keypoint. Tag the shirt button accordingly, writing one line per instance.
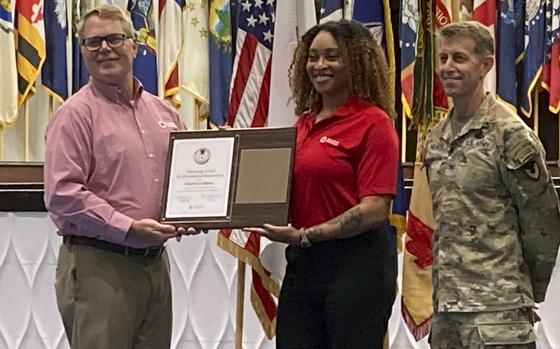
(151, 156)
(156, 180)
(143, 132)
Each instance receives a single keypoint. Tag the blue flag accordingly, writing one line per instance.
(54, 76)
(397, 218)
(371, 14)
(145, 63)
(331, 10)
(221, 59)
(80, 73)
(510, 48)
(535, 21)
(5, 13)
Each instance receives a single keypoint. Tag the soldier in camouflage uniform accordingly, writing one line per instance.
(496, 211)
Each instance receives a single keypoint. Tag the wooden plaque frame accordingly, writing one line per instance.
(247, 206)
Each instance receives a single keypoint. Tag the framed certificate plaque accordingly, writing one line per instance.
(229, 178)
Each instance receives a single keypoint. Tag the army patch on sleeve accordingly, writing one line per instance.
(532, 170)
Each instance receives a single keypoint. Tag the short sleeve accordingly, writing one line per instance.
(378, 159)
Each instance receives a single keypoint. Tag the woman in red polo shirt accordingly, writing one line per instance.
(340, 279)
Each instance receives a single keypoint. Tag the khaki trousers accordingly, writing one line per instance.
(109, 300)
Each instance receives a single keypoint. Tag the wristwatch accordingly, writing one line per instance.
(304, 239)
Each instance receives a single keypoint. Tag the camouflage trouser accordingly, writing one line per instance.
(498, 330)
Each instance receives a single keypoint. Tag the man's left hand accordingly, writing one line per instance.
(183, 230)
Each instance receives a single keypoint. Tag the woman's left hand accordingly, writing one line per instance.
(286, 234)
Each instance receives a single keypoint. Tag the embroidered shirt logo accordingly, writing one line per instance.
(167, 124)
(331, 141)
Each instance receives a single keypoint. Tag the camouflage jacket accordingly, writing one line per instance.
(497, 218)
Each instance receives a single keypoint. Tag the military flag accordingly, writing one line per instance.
(80, 74)
(551, 69)
(221, 59)
(170, 38)
(8, 73)
(54, 75)
(142, 13)
(429, 106)
(331, 10)
(408, 31)
(30, 45)
(416, 301)
(509, 49)
(533, 56)
(485, 12)
(428, 96)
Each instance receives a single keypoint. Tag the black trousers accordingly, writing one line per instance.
(338, 294)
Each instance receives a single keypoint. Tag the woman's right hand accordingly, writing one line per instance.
(286, 234)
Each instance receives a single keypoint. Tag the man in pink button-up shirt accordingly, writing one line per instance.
(106, 149)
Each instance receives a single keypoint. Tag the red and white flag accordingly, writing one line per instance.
(484, 11)
(551, 67)
(248, 107)
(170, 45)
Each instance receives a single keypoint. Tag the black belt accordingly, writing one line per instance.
(149, 252)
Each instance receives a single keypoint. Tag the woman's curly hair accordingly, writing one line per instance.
(360, 52)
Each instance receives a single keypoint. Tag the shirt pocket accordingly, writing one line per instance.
(506, 334)
(477, 172)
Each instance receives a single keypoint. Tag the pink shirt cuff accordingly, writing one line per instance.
(118, 226)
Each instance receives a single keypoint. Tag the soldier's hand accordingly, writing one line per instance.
(152, 229)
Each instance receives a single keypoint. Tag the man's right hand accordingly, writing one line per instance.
(151, 229)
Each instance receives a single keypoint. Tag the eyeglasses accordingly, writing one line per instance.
(113, 41)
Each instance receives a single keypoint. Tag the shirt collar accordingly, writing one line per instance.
(478, 120)
(116, 93)
(350, 106)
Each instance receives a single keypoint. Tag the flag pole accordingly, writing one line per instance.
(536, 112)
(1, 143)
(403, 136)
(51, 106)
(240, 304)
(26, 130)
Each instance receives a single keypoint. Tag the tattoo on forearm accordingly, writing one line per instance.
(314, 234)
(350, 221)
(346, 225)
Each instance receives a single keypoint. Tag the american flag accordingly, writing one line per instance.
(249, 97)
(551, 69)
(248, 107)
